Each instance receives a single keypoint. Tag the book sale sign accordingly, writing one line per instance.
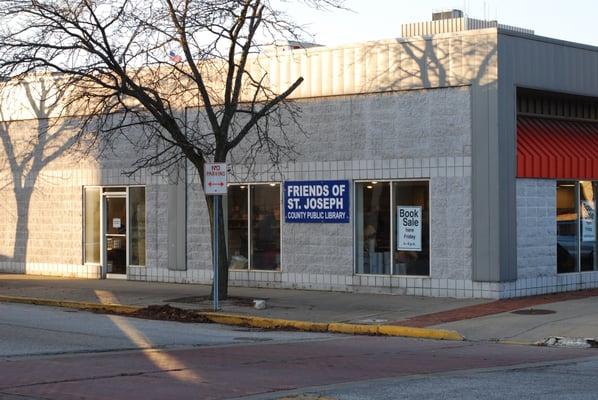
(409, 228)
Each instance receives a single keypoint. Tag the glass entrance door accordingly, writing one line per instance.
(116, 235)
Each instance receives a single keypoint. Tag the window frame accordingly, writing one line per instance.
(84, 224)
(392, 226)
(249, 225)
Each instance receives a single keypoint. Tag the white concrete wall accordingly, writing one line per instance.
(422, 134)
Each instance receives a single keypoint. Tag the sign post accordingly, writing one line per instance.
(215, 185)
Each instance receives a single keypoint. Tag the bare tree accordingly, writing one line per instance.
(135, 63)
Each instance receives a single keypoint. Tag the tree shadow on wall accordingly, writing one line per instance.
(28, 147)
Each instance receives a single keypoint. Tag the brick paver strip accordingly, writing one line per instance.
(212, 373)
(495, 307)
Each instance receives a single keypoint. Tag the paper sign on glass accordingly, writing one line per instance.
(409, 228)
(116, 223)
(587, 221)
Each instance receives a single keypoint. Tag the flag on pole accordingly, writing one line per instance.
(174, 57)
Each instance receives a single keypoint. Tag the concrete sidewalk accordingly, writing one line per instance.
(305, 305)
(570, 319)
(575, 314)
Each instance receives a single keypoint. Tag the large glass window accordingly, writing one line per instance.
(265, 226)
(137, 226)
(412, 228)
(576, 226)
(587, 226)
(392, 228)
(254, 226)
(566, 227)
(373, 222)
(92, 225)
(238, 226)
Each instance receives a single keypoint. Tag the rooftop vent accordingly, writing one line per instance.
(447, 14)
(453, 21)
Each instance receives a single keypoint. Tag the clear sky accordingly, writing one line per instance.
(574, 20)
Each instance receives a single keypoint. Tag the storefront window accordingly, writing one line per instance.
(137, 225)
(392, 229)
(92, 226)
(373, 222)
(587, 225)
(566, 227)
(254, 226)
(411, 216)
(265, 226)
(238, 227)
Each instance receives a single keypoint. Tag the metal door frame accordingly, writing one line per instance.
(103, 255)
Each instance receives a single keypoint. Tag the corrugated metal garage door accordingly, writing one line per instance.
(556, 149)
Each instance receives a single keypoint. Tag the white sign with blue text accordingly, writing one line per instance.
(316, 201)
(409, 228)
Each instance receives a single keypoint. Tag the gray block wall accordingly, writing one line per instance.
(536, 228)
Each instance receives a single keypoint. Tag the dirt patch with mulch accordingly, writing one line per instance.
(169, 313)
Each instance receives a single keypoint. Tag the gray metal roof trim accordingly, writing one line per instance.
(546, 39)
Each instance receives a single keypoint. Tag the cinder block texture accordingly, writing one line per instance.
(536, 228)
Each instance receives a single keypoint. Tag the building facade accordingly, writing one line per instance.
(429, 166)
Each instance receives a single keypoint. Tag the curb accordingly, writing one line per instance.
(79, 305)
(259, 322)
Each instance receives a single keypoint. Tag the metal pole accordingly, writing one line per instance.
(215, 256)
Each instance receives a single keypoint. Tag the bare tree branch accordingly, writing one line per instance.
(127, 70)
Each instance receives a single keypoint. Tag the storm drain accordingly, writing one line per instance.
(371, 321)
(252, 339)
(533, 311)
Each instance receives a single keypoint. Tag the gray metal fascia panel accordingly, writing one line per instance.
(507, 168)
(487, 230)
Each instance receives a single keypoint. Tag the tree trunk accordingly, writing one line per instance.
(222, 247)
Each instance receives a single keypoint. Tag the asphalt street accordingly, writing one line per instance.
(552, 381)
(48, 353)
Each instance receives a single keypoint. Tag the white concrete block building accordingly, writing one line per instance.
(456, 161)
